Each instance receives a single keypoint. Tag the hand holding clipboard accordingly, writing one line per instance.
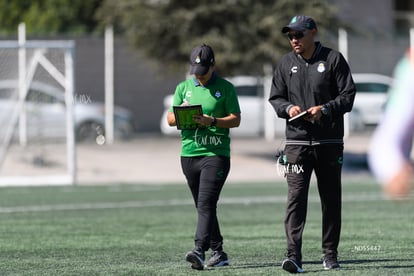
(184, 116)
(300, 115)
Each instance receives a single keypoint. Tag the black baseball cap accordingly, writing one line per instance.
(201, 58)
(300, 23)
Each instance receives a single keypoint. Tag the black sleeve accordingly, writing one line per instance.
(346, 88)
(278, 92)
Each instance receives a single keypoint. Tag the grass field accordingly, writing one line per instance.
(147, 229)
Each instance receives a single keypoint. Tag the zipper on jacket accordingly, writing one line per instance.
(305, 95)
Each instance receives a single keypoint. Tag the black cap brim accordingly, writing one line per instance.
(295, 28)
(199, 69)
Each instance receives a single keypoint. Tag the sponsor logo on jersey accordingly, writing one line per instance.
(188, 94)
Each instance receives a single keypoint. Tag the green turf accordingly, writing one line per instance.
(147, 229)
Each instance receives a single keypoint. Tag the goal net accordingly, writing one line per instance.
(37, 143)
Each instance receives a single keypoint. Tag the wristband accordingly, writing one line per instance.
(214, 122)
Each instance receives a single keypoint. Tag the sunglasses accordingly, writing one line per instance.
(297, 35)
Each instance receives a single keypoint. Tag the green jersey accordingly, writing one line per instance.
(218, 99)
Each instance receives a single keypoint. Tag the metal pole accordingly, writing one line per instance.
(22, 83)
(269, 115)
(109, 85)
(343, 42)
(70, 115)
(343, 48)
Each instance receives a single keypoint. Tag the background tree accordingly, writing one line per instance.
(244, 33)
(49, 17)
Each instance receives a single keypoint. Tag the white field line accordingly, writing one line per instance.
(175, 202)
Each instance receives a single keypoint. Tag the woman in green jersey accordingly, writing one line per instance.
(205, 151)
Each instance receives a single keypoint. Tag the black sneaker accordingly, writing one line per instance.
(330, 262)
(291, 266)
(196, 259)
(218, 258)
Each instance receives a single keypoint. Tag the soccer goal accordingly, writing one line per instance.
(37, 139)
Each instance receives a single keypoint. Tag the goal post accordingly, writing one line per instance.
(37, 138)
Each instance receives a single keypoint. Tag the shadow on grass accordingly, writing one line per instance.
(253, 266)
(364, 264)
(347, 265)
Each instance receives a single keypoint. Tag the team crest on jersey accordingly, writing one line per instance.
(217, 94)
(321, 67)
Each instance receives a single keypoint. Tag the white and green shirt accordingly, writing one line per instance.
(218, 99)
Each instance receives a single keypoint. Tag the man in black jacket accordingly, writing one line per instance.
(317, 81)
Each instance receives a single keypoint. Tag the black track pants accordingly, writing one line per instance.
(205, 177)
(326, 162)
